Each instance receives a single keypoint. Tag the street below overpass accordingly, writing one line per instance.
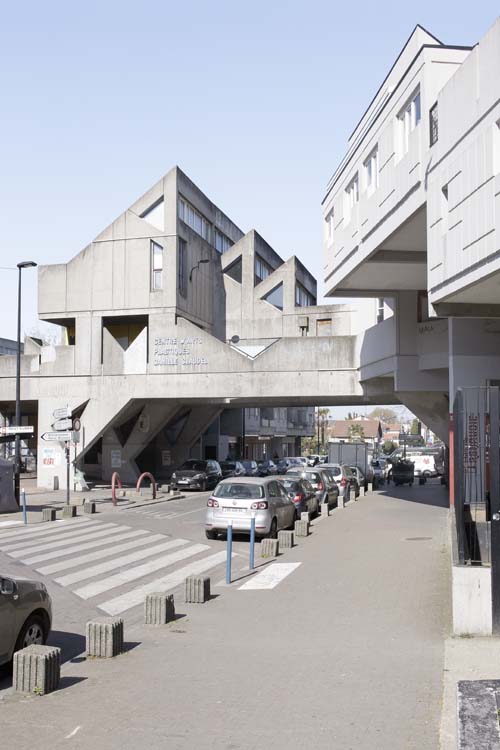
(346, 651)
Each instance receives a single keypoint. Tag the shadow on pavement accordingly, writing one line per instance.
(430, 493)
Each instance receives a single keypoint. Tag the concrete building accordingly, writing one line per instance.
(172, 316)
(412, 216)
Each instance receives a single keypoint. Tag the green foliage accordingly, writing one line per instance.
(384, 414)
(389, 447)
(415, 427)
(356, 431)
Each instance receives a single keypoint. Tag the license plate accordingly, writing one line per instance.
(234, 510)
(183, 481)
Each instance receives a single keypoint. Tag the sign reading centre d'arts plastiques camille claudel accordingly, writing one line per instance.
(174, 351)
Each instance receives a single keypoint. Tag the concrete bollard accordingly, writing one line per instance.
(122, 493)
(104, 638)
(325, 509)
(301, 528)
(305, 516)
(196, 589)
(285, 539)
(370, 487)
(37, 669)
(69, 511)
(49, 514)
(159, 609)
(269, 548)
(340, 501)
(361, 491)
(89, 507)
(352, 495)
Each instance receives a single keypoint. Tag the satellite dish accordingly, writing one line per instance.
(235, 339)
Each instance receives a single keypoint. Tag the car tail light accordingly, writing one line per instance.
(212, 502)
(320, 485)
(262, 505)
(343, 482)
(297, 499)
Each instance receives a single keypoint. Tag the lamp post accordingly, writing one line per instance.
(196, 266)
(17, 467)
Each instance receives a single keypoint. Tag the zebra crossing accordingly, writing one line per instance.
(109, 564)
(162, 511)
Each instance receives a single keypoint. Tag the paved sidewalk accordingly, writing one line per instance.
(346, 652)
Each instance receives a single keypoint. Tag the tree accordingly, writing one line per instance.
(389, 447)
(356, 432)
(415, 427)
(384, 414)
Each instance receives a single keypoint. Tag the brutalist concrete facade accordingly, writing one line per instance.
(172, 316)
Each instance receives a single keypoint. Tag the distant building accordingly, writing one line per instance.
(345, 430)
(8, 346)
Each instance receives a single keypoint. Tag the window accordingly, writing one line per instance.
(235, 270)
(433, 124)
(330, 220)
(371, 172)
(351, 196)
(182, 267)
(409, 117)
(194, 219)
(262, 269)
(303, 298)
(156, 266)
(221, 242)
(380, 310)
(275, 296)
(352, 192)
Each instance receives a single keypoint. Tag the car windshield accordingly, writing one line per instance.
(242, 491)
(248, 464)
(289, 485)
(193, 465)
(227, 465)
(313, 477)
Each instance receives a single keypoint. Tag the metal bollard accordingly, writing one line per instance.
(229, 551)
(23, 499)
(252, 542)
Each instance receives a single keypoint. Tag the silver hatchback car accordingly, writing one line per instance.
(25, 615)
(237, 499)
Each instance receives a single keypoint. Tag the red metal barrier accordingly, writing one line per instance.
(148, 475)
(115, 478)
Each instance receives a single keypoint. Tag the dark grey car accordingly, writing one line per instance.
(323, 483)
(197, 474)
(25, 615)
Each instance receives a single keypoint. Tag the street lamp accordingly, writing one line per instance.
(17, 467)
(203, 260)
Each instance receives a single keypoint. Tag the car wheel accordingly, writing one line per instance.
(211, 533)
(273, 531)
(33, 632)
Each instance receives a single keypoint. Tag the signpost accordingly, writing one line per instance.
(66, 431)
(17, 430)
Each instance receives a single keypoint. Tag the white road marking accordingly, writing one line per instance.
(40, 529)
(270, 577)
(72, 734)
(117, 562)
(101, 541)
(187, 512)
(132, 574)
(132, 598)
(104, 530)
(145, 538)
(9, 523)
(47, 536)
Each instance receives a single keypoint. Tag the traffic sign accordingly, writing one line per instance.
(62, 413)
(17, 430)
(62, 424)
(77, 424)
(57, 437)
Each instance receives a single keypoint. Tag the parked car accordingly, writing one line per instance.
(232, 469)
(344, 478)
(238, 498)
(251, 468)
(195, 474)
(267, 468)
(25, 615)
(302, 493)
(322, 482)
(313, 459)
(360, 477)
(287, 463)
(378, 468)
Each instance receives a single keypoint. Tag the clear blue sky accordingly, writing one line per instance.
(253, 100)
